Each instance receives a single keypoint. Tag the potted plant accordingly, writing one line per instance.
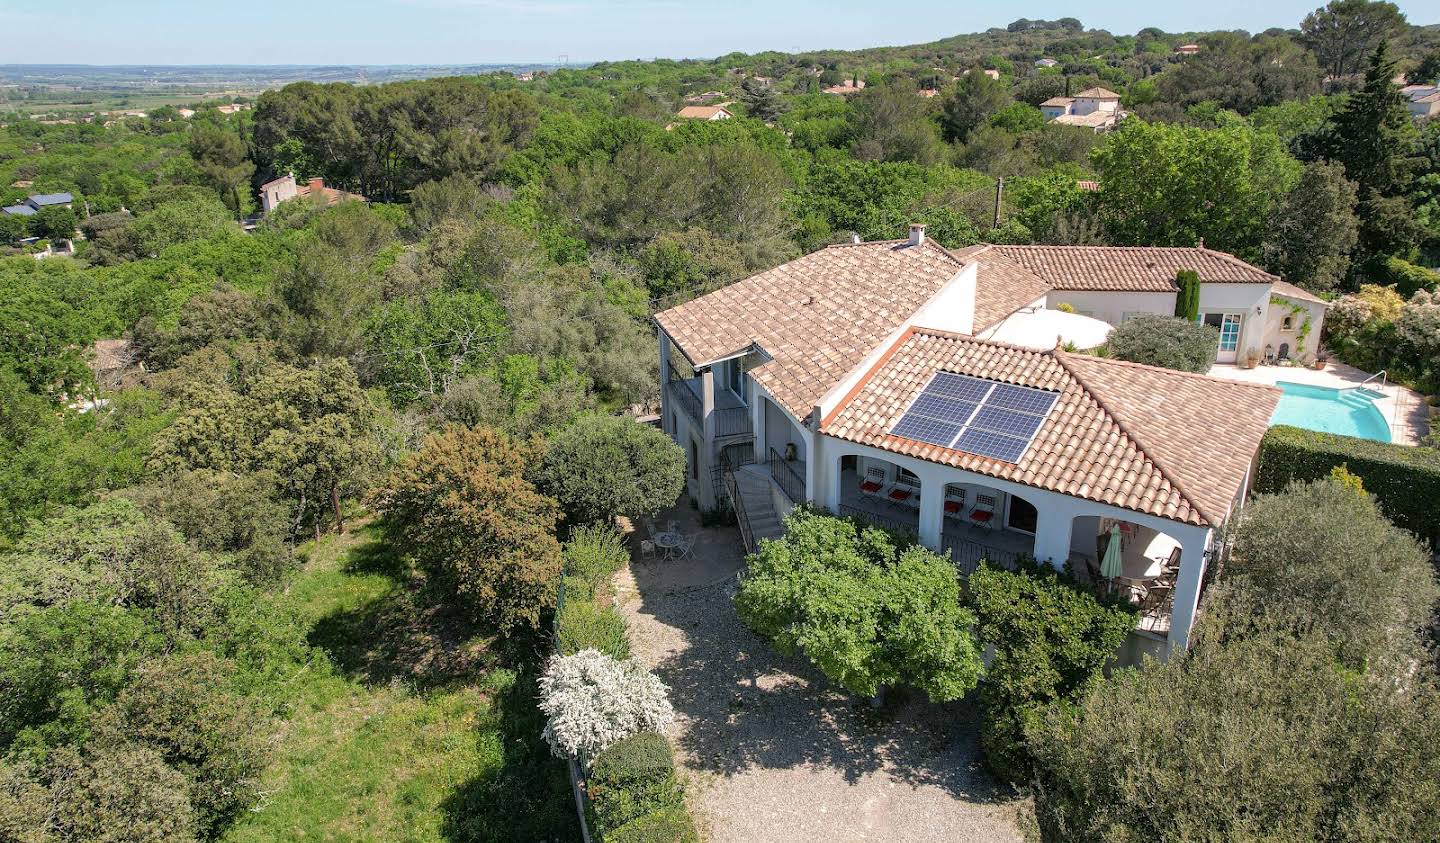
(1252, 358)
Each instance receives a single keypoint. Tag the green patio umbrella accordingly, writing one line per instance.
(1111, 566)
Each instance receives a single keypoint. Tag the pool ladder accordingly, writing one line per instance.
(1384, 380)
(1382, 375)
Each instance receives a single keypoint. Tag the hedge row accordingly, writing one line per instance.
(630, 781)
(592, 556)
(1405, 480)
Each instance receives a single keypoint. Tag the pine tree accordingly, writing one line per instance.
(761, 101)
(1373, 135)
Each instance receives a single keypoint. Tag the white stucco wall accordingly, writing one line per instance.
(1276, 333)
(953, 308)
(1112, 306)
(1244, 299)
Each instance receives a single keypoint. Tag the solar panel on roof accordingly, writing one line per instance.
(975, 415)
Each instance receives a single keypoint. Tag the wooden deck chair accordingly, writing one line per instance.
(983, 512)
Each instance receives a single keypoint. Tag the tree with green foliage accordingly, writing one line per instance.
(112, 554)
(888, 122)
(689, 263)
(1170, 185)
(225, 164)
(976, 97)
(1312, 232)
(870, 612)
(174, 223)
(1050, 639)
(418, 348)
(1342, 32)
(53, 222)
(1373, 138)
(1165, 341)
(13, 228)
(602, 467)
(1193, 749)
(1323, 561)
(461, 506)
(761, 100)
(1187, 297)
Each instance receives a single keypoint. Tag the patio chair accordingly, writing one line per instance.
(954, 502)
(687, 544)
(905, 491)
(983, 513)
(1152, 602)
(647, 549)
(873, 482)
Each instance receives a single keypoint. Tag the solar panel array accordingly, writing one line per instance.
(977, 416)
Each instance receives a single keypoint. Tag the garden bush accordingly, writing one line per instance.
(593, 554)
(671, 825)
(593, 701)
(633, 778)
(1164, 341)
(1321, 560)
(582, 625)
(1405, 481)
(1408, 278)
(868, 610)
(601, 467)
(1050, 640)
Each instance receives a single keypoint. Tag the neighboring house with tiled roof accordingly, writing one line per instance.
(704, 112)
(834, 377)
(1093, 108)
(1423, 100)
(33, 204)
(285, 188)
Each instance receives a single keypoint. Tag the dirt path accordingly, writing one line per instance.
(773, 751)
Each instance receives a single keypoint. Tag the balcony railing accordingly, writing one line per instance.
(686, 399)
(790, 479)
(734, 421)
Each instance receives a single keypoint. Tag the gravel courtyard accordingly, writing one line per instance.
(772, 750)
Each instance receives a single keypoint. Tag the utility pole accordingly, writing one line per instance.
(999, 193)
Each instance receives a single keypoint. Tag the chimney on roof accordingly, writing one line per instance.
(917, 234)
(855, 238)
(317, 184)
(1201, 244)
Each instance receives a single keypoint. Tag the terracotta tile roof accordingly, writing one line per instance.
(1120, 433)
(1290, 291)
(816, 317)
(1002, 286)
(702, 112)
(1132, 268)
(1058, 101)
(1097, 94)
(1093, 120)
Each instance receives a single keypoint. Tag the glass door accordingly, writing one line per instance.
(1228, 324)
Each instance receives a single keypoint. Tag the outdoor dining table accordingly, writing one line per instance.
(668, 541)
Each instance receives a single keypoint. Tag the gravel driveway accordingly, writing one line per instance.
(773, 751)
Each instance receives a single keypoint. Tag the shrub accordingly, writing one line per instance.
(593, 700)
(111, 553)
(182, 708)
(582, 625)
(121, 794)
(59, 663)
(463, 508)
(866, 611)
(1165, 341)
(671, 825)
(1407, 278)
(604, 466)
(594, 553)
(632, 778)
(1261, 738)
(1187, 300)
(1050, 641)
(1320, 558)
(1405, 481)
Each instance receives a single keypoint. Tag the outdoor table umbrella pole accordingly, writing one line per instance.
(1112, 566)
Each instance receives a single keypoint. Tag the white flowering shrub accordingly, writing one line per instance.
(1418, 327)
(593, 700)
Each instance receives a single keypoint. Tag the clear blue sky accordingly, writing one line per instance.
(482, 31)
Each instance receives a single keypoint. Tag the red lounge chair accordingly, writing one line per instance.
(954, 501)
(898, 494)
(984, 510)
(873, 482)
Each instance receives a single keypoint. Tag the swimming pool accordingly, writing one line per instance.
(1350, 412)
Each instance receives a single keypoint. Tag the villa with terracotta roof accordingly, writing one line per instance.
(1093, 108)
(930, 390)
(704, 112)
(285, 188)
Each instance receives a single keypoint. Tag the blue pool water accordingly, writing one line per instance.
(1346, 411)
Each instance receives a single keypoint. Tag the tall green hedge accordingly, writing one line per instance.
(1406, 480)
(632, 779)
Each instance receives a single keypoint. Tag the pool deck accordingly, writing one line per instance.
(1404, 409)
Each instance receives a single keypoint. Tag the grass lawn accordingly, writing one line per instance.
(398, 733)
